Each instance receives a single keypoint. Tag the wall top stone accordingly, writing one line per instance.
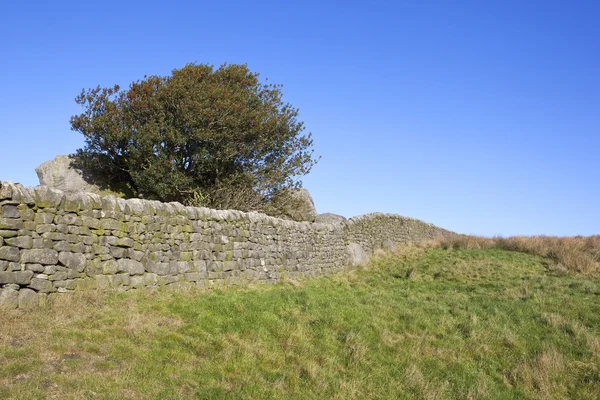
(46, 197)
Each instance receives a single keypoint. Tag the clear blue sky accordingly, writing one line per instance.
(478, 116)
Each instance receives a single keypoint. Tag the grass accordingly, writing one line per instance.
(428, 322)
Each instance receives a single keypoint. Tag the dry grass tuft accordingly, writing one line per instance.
(578, 254)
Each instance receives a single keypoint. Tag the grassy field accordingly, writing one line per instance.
(448, 320)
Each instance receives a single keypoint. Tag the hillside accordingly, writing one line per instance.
(423, 323)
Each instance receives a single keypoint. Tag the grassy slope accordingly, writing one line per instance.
(425, 324)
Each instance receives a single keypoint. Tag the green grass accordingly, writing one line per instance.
(423, 324)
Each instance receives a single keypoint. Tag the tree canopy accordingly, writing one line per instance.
(218, 136)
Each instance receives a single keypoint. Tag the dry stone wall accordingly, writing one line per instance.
(52, 242)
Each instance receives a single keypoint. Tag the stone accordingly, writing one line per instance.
(28, 299)
(179, 267)
(194, 276)
(11, 224)
(43, 218)
(130, 266)
(39, 256)
(109, 267)
(137, 281)
(10, 211)
(388, 245)
(61, 174)
(35, 267)
(150, 279)
(9, 253)
(7, 233)
(356, 256)
(41, 285)
(23, 242)
(16, 277)
(46, 197)
(329, 218)
(9, 298)
(159, 268)
(72, 260)
(297, 204)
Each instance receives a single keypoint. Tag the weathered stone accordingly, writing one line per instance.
(11, 224)
(59, 276)
(9, 253)
(150, 279)
(194, 276)
(44, 218)
(27, 214)
(7, 233)
(72, 260)
(159, 268)
(35, 267)
(89, 222)
(329, 218)
(130, 266)
(9, 299)
(16, 277)
(39, 256)
(56, 236)
(179, 267)
(297, 204)
(388, 245)
(137, 281)
(119, 252)
(68, 219)
(110, 224)
(63, 245)
(10, 211)
(69, 284)
(23, 242)
(41, 285)
(46, 197)
(103, 281)
(13, 266)
(51, 269)
(6, 190)
(61, 174)
(356, 256)
(124, 242)
(28, 299)
(109, 267)
(42, 243)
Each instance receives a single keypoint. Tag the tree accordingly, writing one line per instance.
(217, 137)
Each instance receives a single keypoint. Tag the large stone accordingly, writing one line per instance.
(9, 298)
(47, 197)
(9, 253)
(24, 242)
(41, 285)
(16, 277)
(60, 174)
(356, 256)
(297, 204)
(329, 218)
(10, 211)
(39, 256)
(28, 299)
(130, 266)
(11, 224)
(74, 261)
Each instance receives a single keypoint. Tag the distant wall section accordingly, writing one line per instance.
(52, 242)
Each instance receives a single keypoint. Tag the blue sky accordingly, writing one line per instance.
(478, 116)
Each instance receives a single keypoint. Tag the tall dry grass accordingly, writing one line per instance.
(579, 254)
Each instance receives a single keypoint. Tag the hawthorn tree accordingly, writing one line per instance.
(218, 137)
